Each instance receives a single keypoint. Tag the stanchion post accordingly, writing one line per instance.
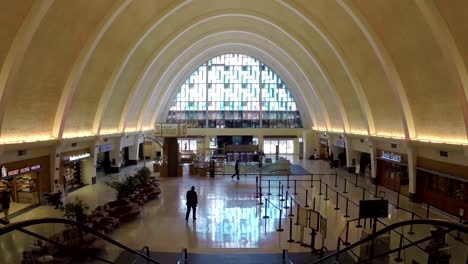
(326, 192)
(337, 205)
(282, 192)
(336, 179)
(290, 231)
(288, 182)
(313, 204)
(345, 190)
(311, 181)
(359, 223)
(346, 242)
(346, 213)
(279, 188)
(295, 187)
(286, 199)
(307, 199)
(356, 183)
(363, 193)
(427, 212)
(376, 190)
(312, 239)
(256, 187)
(266, 209)
(291, 205)
(279, 226)
(269, 188)
(297, 216)
(320, 187)
(260, 198)
(410, 232)
(398, 258)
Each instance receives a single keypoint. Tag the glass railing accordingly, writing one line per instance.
(54, 240)
(411, 241)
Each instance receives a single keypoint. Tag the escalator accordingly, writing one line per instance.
(57, 240)
(433, 241)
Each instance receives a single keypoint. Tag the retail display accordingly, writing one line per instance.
(72, 174)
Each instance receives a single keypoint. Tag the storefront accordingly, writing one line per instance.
(324, 147)
(26, 181)
(392, 171)
(76, 170)
(442, 185)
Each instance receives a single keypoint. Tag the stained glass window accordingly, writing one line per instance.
(234, 91)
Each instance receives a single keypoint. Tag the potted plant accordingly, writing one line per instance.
(125, 188)
(76, 210)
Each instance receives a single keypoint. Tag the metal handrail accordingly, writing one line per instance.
(183, 257)
(443, 223)
(286, 258)
(20, 225)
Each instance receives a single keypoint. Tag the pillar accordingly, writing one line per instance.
(373, 156)
(310, 143)
(171, 150)
(351, 154)
(412, 157)
(115, 156)
(133, 153)
(260, 142)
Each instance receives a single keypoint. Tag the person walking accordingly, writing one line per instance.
(236, 169)
(57, 195)
(5, 202)
(192, 201)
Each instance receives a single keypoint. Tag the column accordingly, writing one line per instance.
(171, 151)
(115, 156)
(260, 142)
(309, 138)
(351, 154)
(412, 157)
(373, 156)
(133, 153)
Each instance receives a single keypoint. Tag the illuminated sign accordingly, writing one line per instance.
(35, 167)
(23, 170)
(391, 156)
(78, 157)
(105, 148)
(13, 172)
(4, 172)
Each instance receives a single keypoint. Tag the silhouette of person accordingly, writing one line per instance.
(236, 169)
(192, 201)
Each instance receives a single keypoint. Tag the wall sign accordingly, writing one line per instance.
(78, 157)
(23, 170)
(157, 130)
(340, 143)
(35, 167)
(13, 172)
(391, 156)
(105, 148)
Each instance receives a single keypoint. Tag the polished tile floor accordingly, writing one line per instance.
(229, 218)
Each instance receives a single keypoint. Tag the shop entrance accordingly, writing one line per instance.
(393, 176)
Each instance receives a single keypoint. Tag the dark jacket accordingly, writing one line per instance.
(5, 200)
(236, 167)
(192, 199)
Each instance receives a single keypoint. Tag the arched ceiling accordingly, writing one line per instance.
(370, 67)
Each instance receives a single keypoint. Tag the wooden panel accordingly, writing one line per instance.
(443, 167)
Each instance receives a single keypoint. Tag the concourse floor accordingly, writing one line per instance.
(229, 218)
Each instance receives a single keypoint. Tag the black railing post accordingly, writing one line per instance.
(313, 204)
(356, 183)
(320, 187)
(260, 197)
(398, 200)
(297, 217)
(427, 212)
(295, 187)
(363, 193)
(269, 188)
(279, 227)
(290, 231)
(256, 187)
(346, 213)
(336, 179)
(307, 199)
(410, 232)
(286, 199)
(326, 192)
(346, 242)
(282, 193)
(337, 205)
(398, 258)
(266, 209)
(279, 188)
(288, 182)
(311, 181)
(345, 190)
(291, 205)
(359, 223)
(312, 240)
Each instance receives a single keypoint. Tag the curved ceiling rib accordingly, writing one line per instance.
(356, 84)
(104, 100)
(451, 53)
(388, 66)
(174, 81)
(237, 36)
(146, 70)
(17, 50)
(79, 65)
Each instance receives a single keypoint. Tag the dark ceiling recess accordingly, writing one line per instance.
(444, 154)
(394, 146)
(74, 145)
(22, 152)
